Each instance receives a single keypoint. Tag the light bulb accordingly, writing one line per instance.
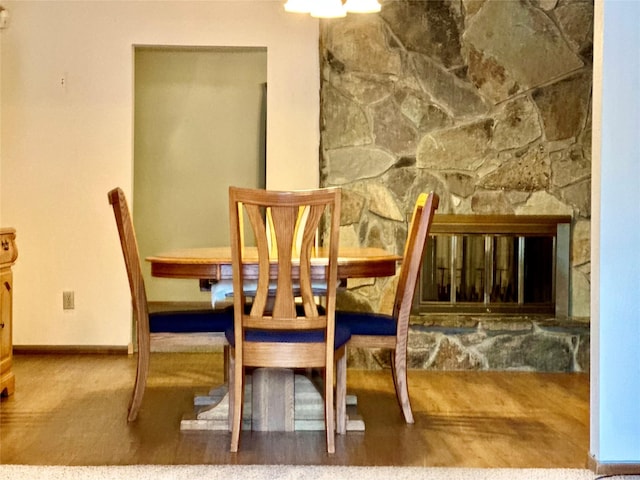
(298, 6)
(362, 6)
(327, 9)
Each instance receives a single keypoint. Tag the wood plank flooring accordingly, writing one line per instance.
(71, 410)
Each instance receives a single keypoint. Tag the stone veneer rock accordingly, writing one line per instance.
(487, 103)
(532, 343)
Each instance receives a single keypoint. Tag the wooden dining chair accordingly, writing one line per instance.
(168, 322)
(276, 332)
(377, 330)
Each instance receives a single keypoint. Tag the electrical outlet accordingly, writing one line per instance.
(68, 300)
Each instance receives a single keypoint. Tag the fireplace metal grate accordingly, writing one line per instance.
(496, 263)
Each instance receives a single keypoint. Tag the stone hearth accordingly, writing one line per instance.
(531, 343)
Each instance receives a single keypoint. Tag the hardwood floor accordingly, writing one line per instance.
(71, 410)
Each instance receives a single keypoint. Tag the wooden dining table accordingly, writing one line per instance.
(214, 263)
(264, 392)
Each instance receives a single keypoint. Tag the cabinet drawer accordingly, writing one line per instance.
(8, 250)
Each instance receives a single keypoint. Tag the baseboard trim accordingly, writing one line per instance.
(160, 342)
(605, 468)
(70, 349)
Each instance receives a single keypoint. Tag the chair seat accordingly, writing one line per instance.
(342, 336)
(367, 323)
(191, 321)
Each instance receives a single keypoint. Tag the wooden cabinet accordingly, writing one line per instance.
(8, 255)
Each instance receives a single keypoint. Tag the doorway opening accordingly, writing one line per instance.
(199, 127)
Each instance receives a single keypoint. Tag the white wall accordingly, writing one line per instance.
(615, 309)
(65, 146)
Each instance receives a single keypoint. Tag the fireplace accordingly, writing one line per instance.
(496, 264)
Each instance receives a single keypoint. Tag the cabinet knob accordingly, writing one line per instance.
(5, 244)
(7, 285)
(2, 325)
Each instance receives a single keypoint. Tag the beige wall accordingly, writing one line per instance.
(65, 146)
(1, 223)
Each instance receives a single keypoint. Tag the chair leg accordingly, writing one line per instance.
(341, 394)
(236, 400)
(225, 360)
(229, 376)
(328, 409)
(141, 378)
(399, 371)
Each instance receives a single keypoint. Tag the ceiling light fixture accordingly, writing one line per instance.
(331, 8)
(362, 6)
(298, 6)
(327, 9)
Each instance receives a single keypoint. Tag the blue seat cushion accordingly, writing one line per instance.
(191, 321)
(342, 336)
(367, 323)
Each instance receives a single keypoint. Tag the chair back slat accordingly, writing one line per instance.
(264, 265)
(419, 226)
(284, 226)
(307, 250)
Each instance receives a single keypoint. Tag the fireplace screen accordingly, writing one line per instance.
(490, 273)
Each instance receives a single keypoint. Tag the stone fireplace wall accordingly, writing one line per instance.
(487, 103)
